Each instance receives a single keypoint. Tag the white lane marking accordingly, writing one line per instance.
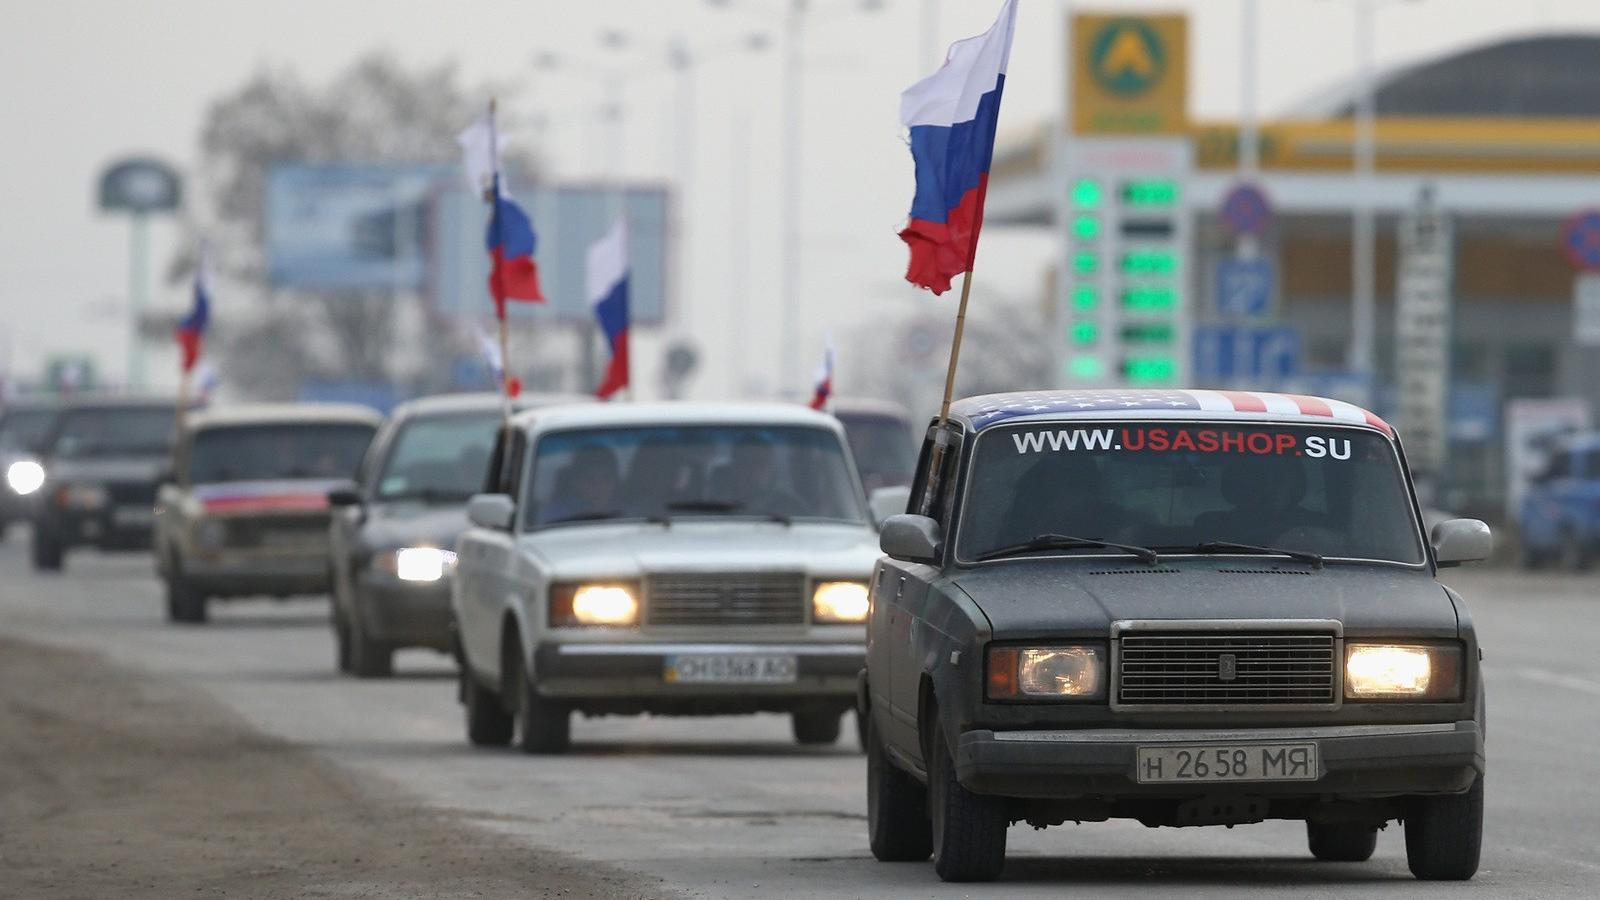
(1570, 682)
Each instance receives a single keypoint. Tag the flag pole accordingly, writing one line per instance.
(493, 199)
(955, 348)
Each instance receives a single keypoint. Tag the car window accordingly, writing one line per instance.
(268, 452)
(24, 429)
(120, 431)
(882, 449)
(439, 458)
(691, 471)
(1332, 491)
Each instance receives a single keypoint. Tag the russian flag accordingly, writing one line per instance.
(608, 293)
(192, 327)
(823, 392)
(952, 115)
(512, 243)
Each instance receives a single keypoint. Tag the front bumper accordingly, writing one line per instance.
(631, 676)
(108, 528)
(1354, 761)
(405, 613)
(228, 575)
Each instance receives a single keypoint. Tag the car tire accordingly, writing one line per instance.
(543, 727)
(1528, 559)
(368, 658)
(815, 728)
(341, 643)
(185, 604)
(1575, 555)
(488, 722)
(1341, 842)
(48, 554)
(969, 830)
(898, 829)
(1444, 835)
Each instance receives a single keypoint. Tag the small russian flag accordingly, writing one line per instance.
(192, 327)
(511, 240)
(952, 115)
(608, 293)
(823, 392)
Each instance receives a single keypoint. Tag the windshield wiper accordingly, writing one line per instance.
(430, 495)
(1305, 556)
(704, 506)
(1067, 542)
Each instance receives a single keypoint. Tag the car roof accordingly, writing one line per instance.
(1195, 405)
(479, 401)
(673, 412)
(864, 406)
(30, 404)
(280, 413)
(118, 401)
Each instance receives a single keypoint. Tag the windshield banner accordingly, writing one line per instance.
(1162, 439)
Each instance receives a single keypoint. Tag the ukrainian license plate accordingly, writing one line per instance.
(1227, 762)
(132, 516)
(731, 669)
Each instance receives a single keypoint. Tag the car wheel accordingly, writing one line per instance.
(543, 727)
(47, 551)
(1575, 555)
(816, 727)
(897, 808)
(488, 723)
(341, 643)
(1528, 559)
(184, 603)
(1445, 834)
(1342, 842)
(368, 658)
(969, 830)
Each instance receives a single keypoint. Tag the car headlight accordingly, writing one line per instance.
(834, 602)
(81, 496)
(419, 564)
(1402, 672)
(1075, 672)
(24, 477)
(613, 604)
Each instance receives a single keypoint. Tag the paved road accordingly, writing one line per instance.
(730, 807)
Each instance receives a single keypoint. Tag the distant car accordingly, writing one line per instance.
(1560, 517)
(245, 511)
(1178, 607)
(394, 534)
(102, 458)
(880, 438)
(669, 558)
(23, 427)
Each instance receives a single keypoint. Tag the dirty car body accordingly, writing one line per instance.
(1179, 607)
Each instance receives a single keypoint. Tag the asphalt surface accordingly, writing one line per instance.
(730, 807)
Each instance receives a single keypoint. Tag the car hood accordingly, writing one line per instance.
(1027, 598)
(105, 469)
(634, 550)
(413, 524)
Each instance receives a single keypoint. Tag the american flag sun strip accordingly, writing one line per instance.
(988, 410)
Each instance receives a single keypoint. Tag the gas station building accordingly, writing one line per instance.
(1504, 139)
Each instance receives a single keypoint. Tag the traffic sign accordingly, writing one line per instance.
(1580, 240)
(1246, 351)
(1245, 210)
(1244, 287)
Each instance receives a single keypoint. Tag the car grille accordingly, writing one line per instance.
(1194, 669)
(278, 531)
(735, 599)
(131, 493)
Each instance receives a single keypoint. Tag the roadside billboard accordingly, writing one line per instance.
(343, 227)
(1533, 428)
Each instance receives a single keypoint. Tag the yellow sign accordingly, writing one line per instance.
(1413, 145)
(1129, 74)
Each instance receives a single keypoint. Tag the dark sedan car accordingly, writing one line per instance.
(1178, 607)
(24, 424)
(393, 537)
(102, 460)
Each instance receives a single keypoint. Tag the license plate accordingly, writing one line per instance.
(132, 516)
(742, 669)
(1227, 762)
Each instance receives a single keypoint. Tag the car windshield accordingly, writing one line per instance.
(24, 429)
(668, 472)
(114, 431)
(441, 458)
(881, 446)
(1175, 488)
(269, 452)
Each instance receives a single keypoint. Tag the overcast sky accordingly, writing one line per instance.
(85, 81)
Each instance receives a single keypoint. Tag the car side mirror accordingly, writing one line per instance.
(910, 538)
(168, 475)
(491, 511)
(888, 501)
(344, 496)
(1456, 541)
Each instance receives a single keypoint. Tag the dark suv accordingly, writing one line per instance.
(1179, 607)
(102, 460)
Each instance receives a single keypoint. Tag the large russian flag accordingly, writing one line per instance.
(608, 292)
(192, 327)
(952, 115)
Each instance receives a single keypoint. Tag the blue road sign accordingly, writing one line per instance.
(1246, 351)
(1245, 209)
(1244, 287)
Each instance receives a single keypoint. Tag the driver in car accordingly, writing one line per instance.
(587, 488)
